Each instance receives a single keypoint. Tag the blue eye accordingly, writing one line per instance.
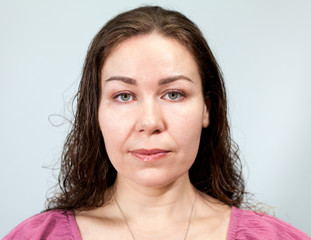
(123, 97)
(174, 95)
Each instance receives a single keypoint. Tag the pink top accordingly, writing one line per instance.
(244, 225)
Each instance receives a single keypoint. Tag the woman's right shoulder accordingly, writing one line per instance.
(53, 224)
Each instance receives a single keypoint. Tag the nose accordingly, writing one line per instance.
(150, 118)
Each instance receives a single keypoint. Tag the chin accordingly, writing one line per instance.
(158, 180)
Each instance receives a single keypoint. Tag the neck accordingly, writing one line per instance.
(169, 202)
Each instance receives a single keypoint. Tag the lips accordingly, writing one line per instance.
(148, 155)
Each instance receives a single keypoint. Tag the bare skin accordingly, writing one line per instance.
(157, 214)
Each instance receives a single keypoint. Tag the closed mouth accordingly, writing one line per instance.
(149, 154)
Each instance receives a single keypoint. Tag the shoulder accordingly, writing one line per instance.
(54, 224)
(245, 224)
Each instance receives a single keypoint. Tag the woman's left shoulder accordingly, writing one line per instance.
(246, 224)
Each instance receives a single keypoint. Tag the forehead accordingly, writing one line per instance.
(150, 54)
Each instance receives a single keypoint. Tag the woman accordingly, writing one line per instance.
(150, 154)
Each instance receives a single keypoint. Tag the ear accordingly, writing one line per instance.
(206, 111)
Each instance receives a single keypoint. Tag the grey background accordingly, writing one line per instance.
(263, 48)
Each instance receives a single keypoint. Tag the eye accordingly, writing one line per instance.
(123, 97)
(174, 95)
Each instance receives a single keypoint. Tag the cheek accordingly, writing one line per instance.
(113, 127)
(186, 128)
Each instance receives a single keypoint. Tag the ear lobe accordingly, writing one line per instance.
(206, 110)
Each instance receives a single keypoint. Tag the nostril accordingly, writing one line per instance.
(157, 131)
(149, 120)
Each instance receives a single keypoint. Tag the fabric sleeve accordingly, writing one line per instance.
(250, 225)
(54, 224)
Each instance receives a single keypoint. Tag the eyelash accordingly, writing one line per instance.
(181, 95)
(119, 94)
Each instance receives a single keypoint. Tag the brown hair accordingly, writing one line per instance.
(86, 172)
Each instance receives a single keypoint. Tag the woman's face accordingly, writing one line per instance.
(151, 110)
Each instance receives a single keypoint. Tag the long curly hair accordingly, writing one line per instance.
(86, 172)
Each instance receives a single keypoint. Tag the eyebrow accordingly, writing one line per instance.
(163, 81)
(173, 79)
(127, 80)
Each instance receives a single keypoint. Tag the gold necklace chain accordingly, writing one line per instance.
(130, 230)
